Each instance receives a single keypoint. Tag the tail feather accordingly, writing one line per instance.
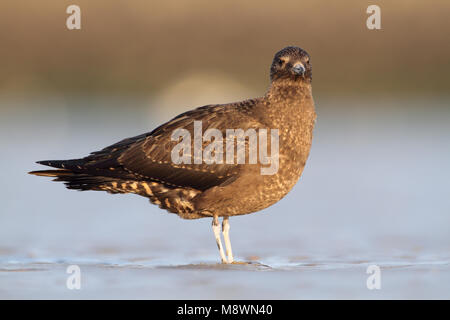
(51, 173)
(63, 164)
(73, 180)
(79, 174)
(170, 198)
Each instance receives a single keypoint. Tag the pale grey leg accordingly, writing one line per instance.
(216, 230)
(226, 238)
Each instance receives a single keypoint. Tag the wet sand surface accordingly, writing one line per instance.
(374, 192)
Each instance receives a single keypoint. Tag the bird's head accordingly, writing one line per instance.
(291, 64)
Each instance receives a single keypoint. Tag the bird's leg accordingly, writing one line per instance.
(226, 238)
(216, 230)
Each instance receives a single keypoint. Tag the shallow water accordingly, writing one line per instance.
(374, 192)
(307, 278)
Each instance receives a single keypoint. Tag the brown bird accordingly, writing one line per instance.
(211, 182)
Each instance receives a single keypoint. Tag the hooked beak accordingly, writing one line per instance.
(298, 69)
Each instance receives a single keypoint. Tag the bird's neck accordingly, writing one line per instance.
(288, 105)
(291, 92)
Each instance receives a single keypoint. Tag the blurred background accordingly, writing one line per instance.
(375, 189)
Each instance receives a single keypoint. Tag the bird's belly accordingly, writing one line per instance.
(275, 187)
(253, 191)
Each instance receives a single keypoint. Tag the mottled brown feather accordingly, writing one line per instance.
(142, 164)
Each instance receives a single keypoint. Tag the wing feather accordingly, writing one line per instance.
(150, 157)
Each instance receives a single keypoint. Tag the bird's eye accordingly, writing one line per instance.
(280, 62)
